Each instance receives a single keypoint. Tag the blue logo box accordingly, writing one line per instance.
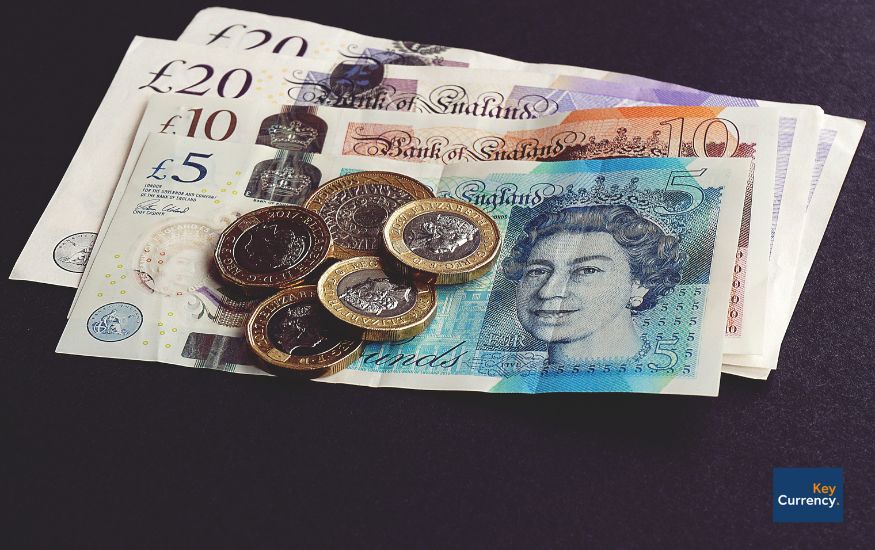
(808, 495)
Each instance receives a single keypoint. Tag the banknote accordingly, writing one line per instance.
(630, 257)
(256, 32)
(838, 142)
(521, 345)
(593, 134)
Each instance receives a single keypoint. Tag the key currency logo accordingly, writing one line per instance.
(115, 322)
(71, 254)
(808, 495)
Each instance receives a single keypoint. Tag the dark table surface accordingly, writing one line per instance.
(102, 452)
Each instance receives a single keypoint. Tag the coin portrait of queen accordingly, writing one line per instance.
(444, 234)
(581, 275)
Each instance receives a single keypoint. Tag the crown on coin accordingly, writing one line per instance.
(284, 181)
(294, 136)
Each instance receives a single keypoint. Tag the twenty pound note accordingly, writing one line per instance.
(613, 274)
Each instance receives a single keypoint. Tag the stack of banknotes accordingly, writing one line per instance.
(653, 236)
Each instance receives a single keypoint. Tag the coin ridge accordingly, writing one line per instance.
(399, 327)
(468, 268)
(325, 363)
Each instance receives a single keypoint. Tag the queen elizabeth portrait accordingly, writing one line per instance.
(584, 272)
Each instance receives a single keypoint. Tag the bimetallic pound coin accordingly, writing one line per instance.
(292, 332)
(360, 292)
(273, 247)
(452, 241)
(356, 206)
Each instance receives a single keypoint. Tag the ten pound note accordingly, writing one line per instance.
(613, 274)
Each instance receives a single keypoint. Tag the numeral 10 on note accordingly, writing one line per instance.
(217, 126)
(706, 136)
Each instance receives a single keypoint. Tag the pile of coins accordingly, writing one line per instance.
(359, 261)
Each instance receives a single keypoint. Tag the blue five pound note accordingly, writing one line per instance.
(601, 284)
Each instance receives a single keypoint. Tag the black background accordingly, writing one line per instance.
(103, 452)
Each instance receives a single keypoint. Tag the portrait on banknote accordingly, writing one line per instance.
(583, 273)
(609, 279)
